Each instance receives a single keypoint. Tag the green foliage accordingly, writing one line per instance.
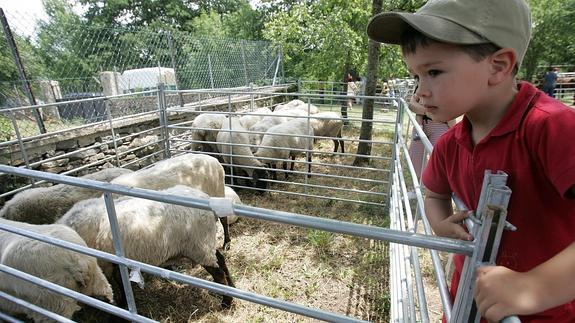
(319, 39)
(553, 35)
(6, 129)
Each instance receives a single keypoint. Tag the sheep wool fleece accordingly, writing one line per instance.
(533, 145)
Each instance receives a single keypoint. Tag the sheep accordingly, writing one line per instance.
(241, 155)
(328, 124)
(297, 104)
(199, 171)
(202, 137)
(230, 194)
(153, 232)
(44, 205)
(66, 268)
(253, 117)
(277, 117)
(280, 141)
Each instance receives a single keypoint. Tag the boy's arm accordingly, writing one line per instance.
(500, 292)
(443, 221)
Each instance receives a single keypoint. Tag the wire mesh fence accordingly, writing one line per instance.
(64, 59)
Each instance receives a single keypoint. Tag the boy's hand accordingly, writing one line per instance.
(451, 227)
(500, 292)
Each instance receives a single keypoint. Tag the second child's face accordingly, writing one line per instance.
(451, 83)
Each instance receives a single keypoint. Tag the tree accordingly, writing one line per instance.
(320, 38)
(177, 14)
(553, 36)
(364, 147)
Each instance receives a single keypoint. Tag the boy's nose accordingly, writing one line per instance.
(422, 91)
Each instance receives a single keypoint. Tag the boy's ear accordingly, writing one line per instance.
(502, 65)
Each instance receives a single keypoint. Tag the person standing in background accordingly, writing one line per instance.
(432, 129)
(550, 81)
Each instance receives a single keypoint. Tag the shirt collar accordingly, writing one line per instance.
(510, 121)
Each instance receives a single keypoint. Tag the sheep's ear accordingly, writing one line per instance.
(77, 275)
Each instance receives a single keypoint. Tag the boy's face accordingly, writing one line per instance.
(451, 82)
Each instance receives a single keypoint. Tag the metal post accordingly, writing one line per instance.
(21, 144)
(109, 113)
(244, 63)
(210, 71)
(21, 70)
(163, 120)
(276, 71)
(173, 59)
(231, 152)
(116, 240)
(487, 231)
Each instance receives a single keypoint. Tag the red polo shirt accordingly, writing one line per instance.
(534, 144)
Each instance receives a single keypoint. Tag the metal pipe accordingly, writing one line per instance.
(365, 231)
(31, 307)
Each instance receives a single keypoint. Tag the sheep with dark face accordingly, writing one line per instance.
(64, 267)
(45, 205)
(235, 151)
(153, 232)
(204, 131)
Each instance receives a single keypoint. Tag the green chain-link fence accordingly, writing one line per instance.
(68, 60)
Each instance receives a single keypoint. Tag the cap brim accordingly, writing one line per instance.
(388, 27)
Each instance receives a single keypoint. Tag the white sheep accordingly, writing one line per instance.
(277, 117)
(251, 118)
(45, 205)
(199, 171)
(328, 124)
(64, 267)
(230, 194)
(241, 155)
(285, 140)
(297, 104)
(153, 232)
(204, 131)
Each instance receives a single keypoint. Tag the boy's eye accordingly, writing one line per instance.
(434, 72)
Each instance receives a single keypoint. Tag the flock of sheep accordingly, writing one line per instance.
(256, 141)
(152, 232)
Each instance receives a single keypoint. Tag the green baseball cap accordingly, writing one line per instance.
(505, 23)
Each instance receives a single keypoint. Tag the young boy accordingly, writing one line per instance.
(464, 55)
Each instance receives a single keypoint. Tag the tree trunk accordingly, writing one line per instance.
(364, 147)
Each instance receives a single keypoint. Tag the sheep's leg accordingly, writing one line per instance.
(224, 267)
(340, 141)
(274, 171)
(227, 239)
(335, 145)
(309, 165)
(221, 275)
(117, 287)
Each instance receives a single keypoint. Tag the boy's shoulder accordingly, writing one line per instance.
(548, 112)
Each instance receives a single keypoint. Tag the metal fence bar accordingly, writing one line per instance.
(212, 286)
(413, 251)
(31, 307)
(365, 231)
(68, 292)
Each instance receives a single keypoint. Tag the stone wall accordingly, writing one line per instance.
(92, 147)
